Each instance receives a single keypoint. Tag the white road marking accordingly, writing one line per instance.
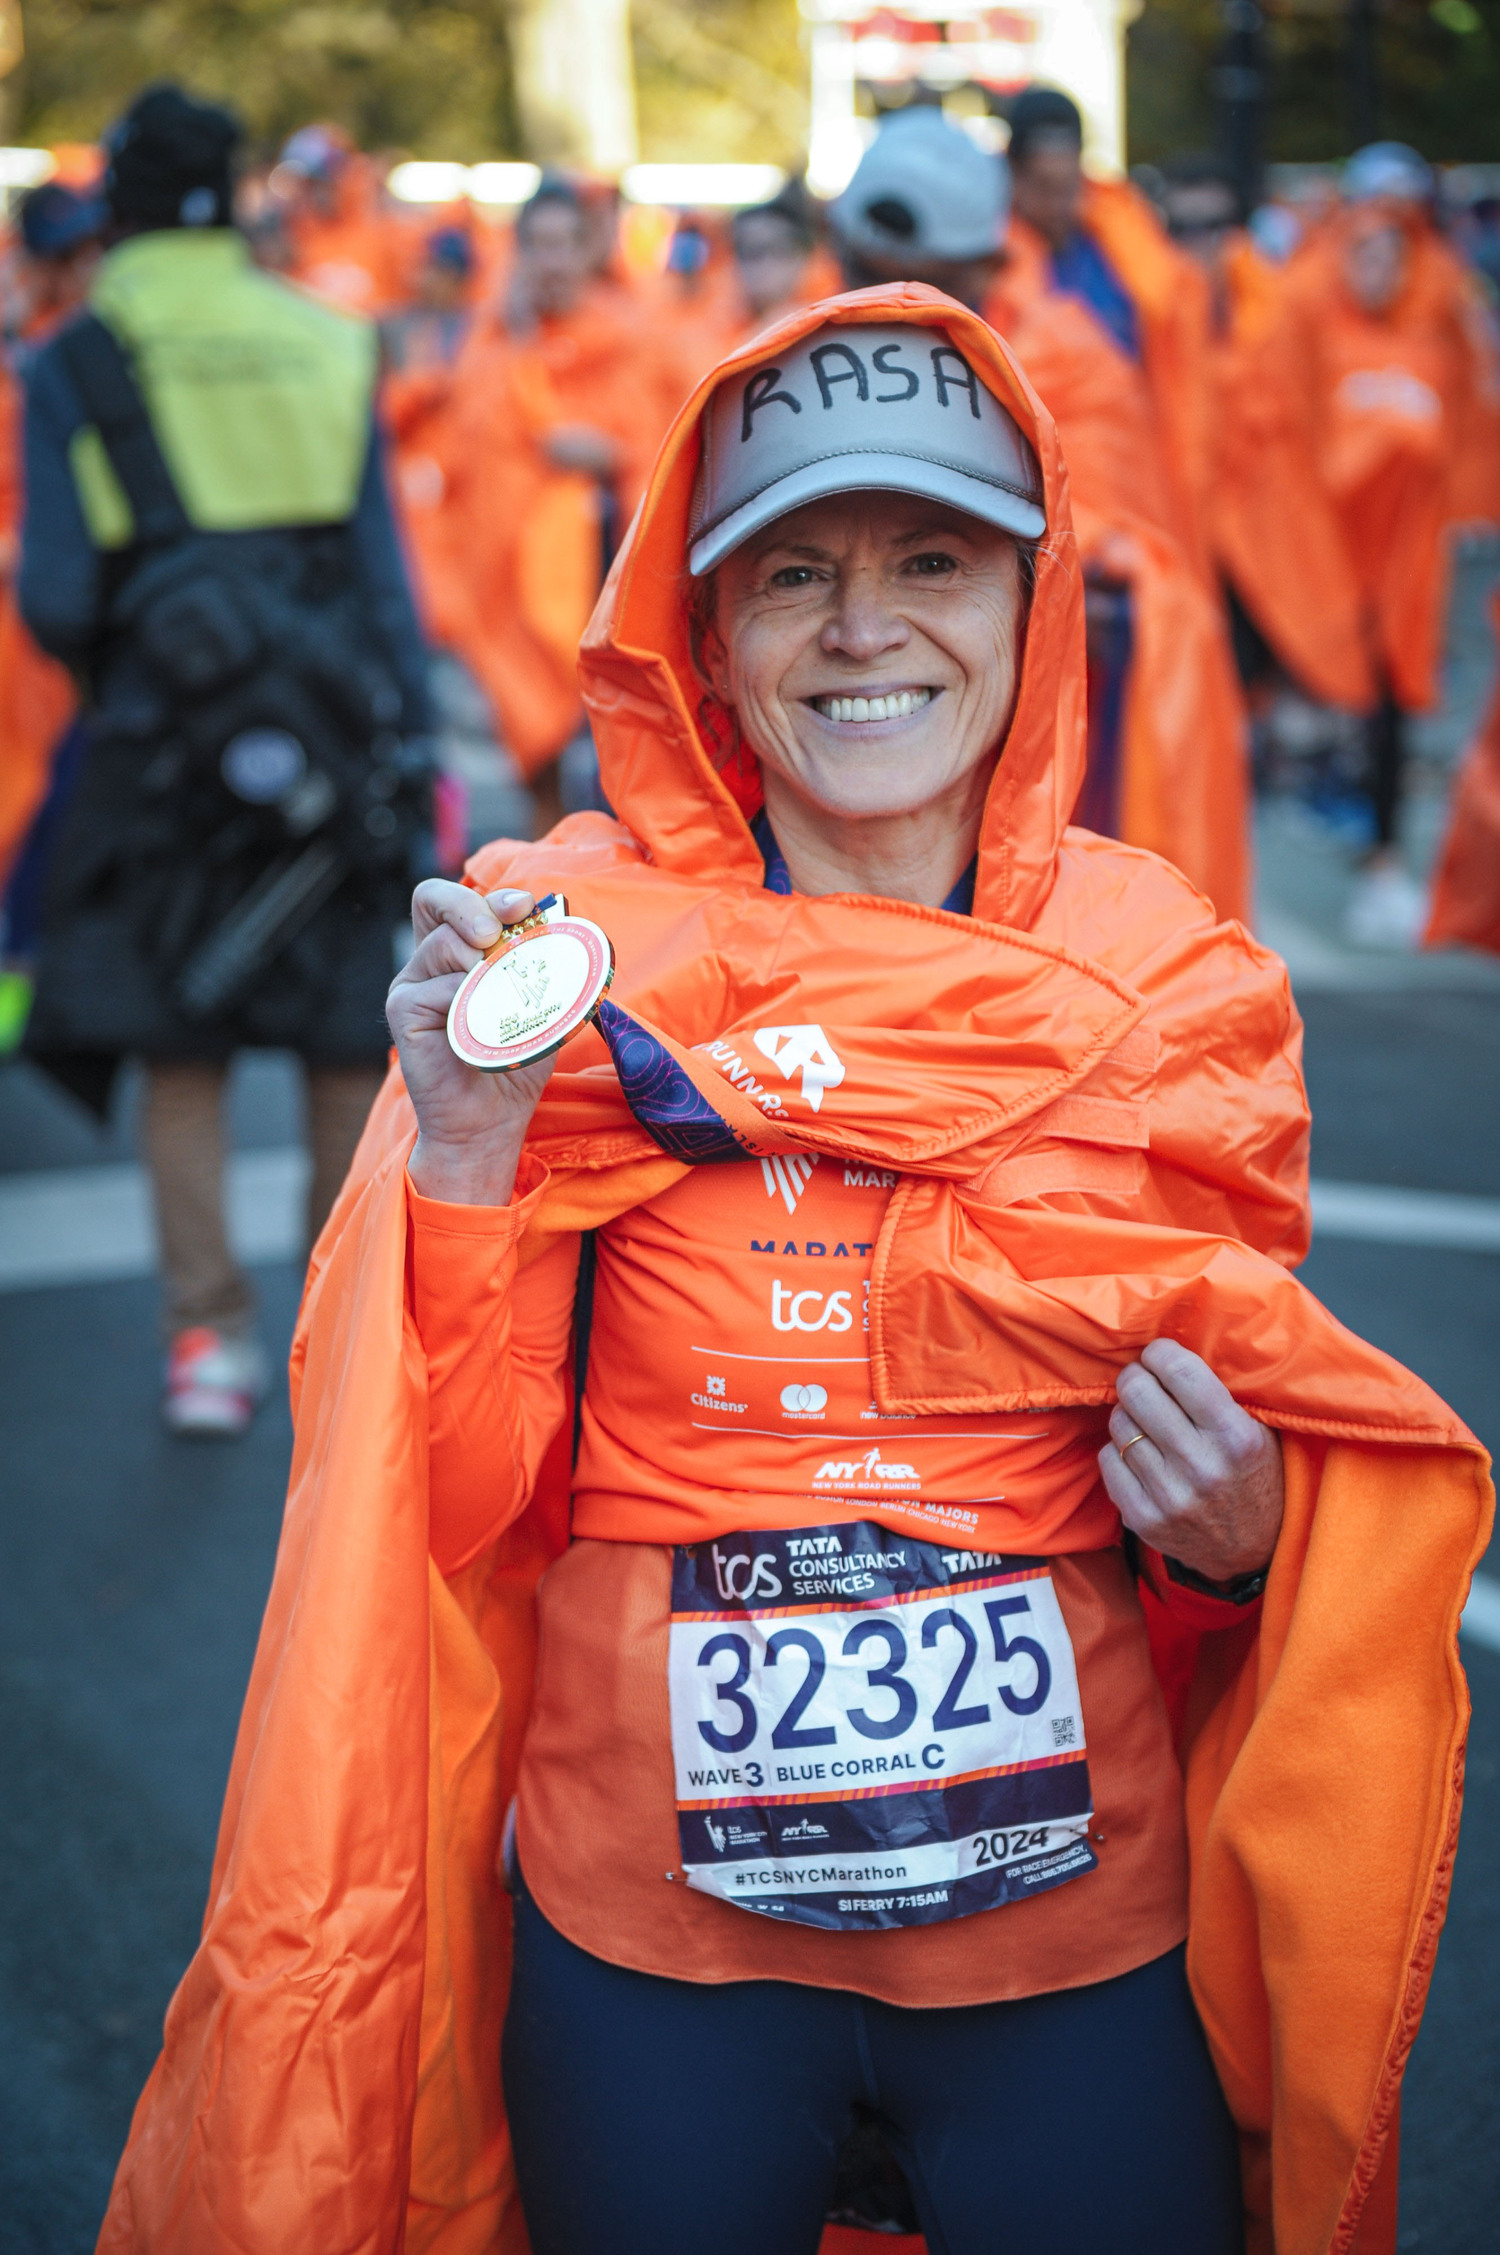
(94, 1225)
(1439, 1219)
(1481, 1620)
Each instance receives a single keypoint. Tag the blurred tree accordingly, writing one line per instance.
(1438, 67)
(720, 80)
(715, 78)
(433, 78)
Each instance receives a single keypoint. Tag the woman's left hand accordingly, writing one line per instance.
(1203, 1482)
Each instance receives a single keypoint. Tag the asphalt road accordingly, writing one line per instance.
(133, 1569)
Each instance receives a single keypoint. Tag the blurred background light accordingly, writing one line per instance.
(718, 185)
(418, 182)
(26, 168)
(503, 183)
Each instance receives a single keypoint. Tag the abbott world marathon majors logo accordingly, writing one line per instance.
(869, 1474)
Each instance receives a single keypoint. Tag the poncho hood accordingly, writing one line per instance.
(670, 759)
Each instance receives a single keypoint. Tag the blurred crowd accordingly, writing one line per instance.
(1274, 422)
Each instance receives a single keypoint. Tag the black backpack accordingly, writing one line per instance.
(249, 715)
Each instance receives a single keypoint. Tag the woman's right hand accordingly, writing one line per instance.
(470, 1125)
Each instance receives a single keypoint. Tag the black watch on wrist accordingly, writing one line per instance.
(1243, 1590)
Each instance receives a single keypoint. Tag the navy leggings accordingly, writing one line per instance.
(658, 2117)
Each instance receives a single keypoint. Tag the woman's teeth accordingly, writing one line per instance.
(897, 707)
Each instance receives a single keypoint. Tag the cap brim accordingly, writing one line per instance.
(992, 503)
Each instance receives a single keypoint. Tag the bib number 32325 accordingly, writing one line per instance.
(870, 1731)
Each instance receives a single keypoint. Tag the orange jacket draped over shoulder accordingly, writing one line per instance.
(1090, 1091)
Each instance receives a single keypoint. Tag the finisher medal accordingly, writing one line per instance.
(537, 985)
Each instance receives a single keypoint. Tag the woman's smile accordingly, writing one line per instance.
(867, 706)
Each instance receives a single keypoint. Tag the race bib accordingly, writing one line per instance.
(870, 1731)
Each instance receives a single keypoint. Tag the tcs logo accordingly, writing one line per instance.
(740, 1578)
(810, 1311)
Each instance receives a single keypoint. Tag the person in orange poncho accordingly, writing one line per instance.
(421, 346)
(1167, 756)
(557, 404)
(1006, 1157)
(775, 263)
(1104, 245)
(1394, 393)
(341, 245)
(1272, 532)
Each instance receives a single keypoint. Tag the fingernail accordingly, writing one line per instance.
(507, 897)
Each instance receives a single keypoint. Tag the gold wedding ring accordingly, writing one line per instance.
(1130, 1444)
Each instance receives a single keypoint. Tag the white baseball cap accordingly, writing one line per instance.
(852, 408)
(923, 190)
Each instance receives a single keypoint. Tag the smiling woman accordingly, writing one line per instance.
(869, 644)
(879, 1324)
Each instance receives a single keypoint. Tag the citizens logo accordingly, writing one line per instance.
(804, 1049)
(789, 1174)
(804, 1401)
(867, 1471)
(810, 1311)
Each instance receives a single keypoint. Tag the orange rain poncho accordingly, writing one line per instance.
(1170, 294)
(526, 539)
(356, 253)
(1109, 1145)
(1272, 529)
(1185, 774)
(1402, 404)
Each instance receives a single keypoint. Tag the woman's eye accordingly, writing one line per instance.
(933, 565)
(794, 575)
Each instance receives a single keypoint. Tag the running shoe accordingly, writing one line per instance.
(1387, 909)
(214, 1384)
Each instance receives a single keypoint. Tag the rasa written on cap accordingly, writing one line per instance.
(539, 983)
(858, 409)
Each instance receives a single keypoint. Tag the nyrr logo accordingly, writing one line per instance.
(868, 1468)
(806, 1049)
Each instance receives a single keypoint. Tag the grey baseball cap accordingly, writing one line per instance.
(851, 409)
(923, 190)
(1387, 168)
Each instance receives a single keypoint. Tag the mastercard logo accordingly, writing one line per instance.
(804, 1401)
